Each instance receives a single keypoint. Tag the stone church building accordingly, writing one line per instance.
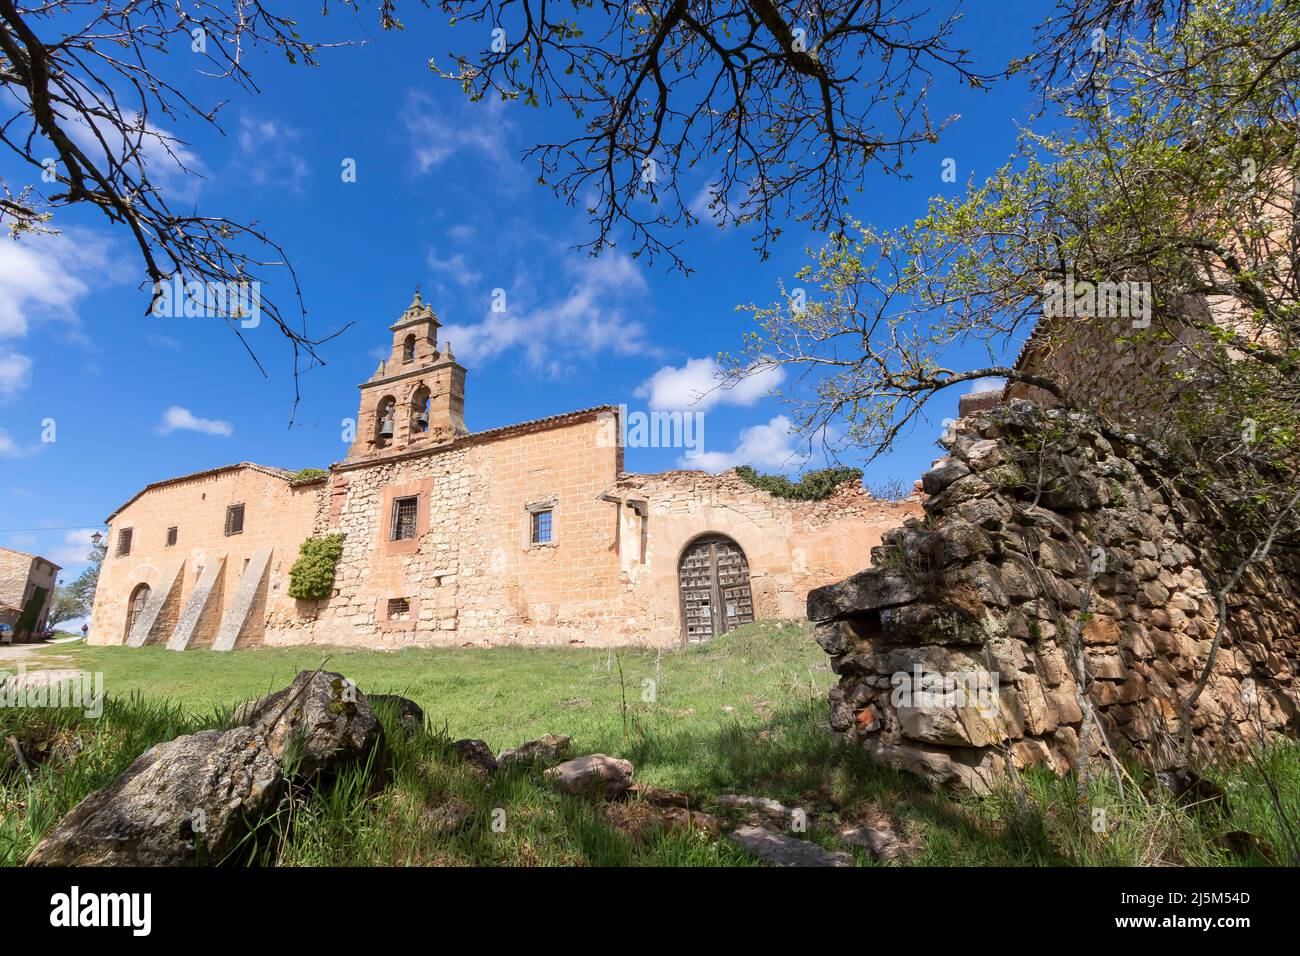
(524, 534)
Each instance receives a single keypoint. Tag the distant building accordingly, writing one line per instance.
(26, 590)
(528, 533)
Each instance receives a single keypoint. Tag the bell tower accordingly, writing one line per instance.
(416, 398)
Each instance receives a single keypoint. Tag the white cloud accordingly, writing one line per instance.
(9, 448)
(454, 266)
(174, 169)
(710, 207)
(438, 133)
(76, 546)
(268, 156)
(182, 419)
(46, 275)
(984, 385)
(15, 372)
(697, 386)
(764, 446)
(587, 320)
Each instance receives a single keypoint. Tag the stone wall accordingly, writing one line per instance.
(609, 575)
(20, 575)
(1042, 543)
(472, 575)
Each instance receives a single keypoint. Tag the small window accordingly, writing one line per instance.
(171, 536)
(404, 517)
(408, 349)
(234, 519)
(542, 527)
(399, 609)
(124, 542)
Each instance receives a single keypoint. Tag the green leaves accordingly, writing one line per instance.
(812, 485)
(312, 576)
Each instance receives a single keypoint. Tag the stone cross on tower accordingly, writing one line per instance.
(416, 398)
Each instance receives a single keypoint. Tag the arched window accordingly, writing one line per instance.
(385, 420)
(420, 411)
(408, 349)
(139, 598)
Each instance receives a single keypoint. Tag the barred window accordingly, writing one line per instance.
(405, 511)
(399, 609)
(124, 542)
(234, 519)
(541, 527)
(171, 536)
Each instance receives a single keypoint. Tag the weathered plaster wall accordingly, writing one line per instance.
(277, 515)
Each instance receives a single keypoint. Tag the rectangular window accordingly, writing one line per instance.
(399, 609)
(542, 527)
(171, 536)
(404, 517)
(234, 519)
(124, 542)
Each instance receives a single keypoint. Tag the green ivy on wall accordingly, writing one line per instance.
(309, 474)
(312, 576)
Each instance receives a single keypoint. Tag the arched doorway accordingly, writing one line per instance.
(139, 599)
(713, 577)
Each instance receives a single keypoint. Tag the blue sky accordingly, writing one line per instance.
(442, 199)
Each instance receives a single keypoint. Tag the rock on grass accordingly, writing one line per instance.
(781, 850)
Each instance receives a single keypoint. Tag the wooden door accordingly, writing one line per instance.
(713, 577)
(139, 598)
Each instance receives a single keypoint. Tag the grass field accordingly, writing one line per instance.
(746, 713)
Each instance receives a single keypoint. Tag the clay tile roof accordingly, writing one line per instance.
(544, 422)
(264, 469)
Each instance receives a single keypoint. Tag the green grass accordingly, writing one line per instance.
(745, 713)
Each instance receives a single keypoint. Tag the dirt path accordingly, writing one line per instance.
(30, 656)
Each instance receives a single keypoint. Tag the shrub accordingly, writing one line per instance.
(312, 576)
(309, 474)
(811, 486)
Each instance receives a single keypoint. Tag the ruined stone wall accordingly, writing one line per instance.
(1109, 367)
(957, 649)
(791, 546)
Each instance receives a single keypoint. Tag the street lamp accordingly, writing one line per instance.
(96, 538)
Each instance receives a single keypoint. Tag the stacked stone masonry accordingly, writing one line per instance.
(956, 651)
